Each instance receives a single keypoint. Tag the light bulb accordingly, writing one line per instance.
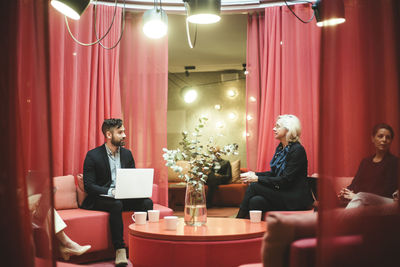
(155, 23)
(190, 96)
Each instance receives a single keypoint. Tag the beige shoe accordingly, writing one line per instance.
(77, 250)
(120, 257)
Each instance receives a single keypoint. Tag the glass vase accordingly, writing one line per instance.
(195, 204)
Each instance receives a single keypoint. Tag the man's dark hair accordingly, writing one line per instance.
(382, 126)
(110, 124)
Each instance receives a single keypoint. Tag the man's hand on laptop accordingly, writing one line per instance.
(113, 192)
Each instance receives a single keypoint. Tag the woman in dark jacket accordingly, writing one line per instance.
(285, 187)
(377, 174)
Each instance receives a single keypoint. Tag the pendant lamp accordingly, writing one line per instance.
(71, 8)
(155, 22)
(329, 13)
(203, 11)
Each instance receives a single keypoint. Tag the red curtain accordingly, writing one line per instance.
(283, 65)
(85, 86)
(360, 70)
(85, 89)
(25, 130)
(144, 85)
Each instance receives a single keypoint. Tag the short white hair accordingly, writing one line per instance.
(292, 124)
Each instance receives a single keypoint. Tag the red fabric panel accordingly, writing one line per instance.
(144, 85)
(155, 194)
(283, 64)
(84, 86)
(255, 49)
(359, 84)
(221, 253)
(25, 138)
(300, 78)
(359, 88)
(14, 223)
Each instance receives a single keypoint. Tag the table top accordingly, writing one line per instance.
(216, 229)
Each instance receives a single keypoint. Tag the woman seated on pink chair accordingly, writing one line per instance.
(285, 187)
(376, 178)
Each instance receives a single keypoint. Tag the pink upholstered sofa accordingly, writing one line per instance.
(87, 226)
(291, 241)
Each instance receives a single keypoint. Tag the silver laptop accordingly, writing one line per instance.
(133, 183)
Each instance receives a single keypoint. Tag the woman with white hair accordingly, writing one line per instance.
(285, 187)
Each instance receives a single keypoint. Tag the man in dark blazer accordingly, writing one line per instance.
(99, 172)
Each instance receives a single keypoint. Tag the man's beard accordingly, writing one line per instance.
(117, 143)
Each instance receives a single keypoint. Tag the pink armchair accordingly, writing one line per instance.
(88, 226)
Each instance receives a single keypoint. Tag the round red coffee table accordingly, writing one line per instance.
(221, 242)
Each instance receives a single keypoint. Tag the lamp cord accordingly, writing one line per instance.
(308, 21)
(122, 26)
(98, 40)
(187, 30)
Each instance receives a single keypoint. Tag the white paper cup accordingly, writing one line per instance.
(255, 216)
(139, 217)
(171, 222)
(154, 215)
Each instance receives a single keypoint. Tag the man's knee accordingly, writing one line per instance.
(257, 203)
(148, 204)
(116, 206)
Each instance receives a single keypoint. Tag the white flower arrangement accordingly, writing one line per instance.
(202, 158)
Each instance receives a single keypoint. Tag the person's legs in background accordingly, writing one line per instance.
(265, 199)
(362, 199)
(212, 184)
(114, 207)
(66, 245)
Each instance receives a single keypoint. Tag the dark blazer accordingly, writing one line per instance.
(97, 173)
(292, 185)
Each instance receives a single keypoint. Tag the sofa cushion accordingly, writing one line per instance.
(174, 176)
(283, 229)
(235, 165)
(230, 194)
(65, 195)
(344, 248)
(80, 189)
(88, 227)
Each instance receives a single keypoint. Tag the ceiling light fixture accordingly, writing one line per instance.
(71, 8)
(75, 8)
(252, 99)
(329, 13)
(231, 93)
(245, 71)
(220, 125)
(326, 12)
(201, 12)
(155, 22)
(187, 68)
(189, 94)
(232, 116)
